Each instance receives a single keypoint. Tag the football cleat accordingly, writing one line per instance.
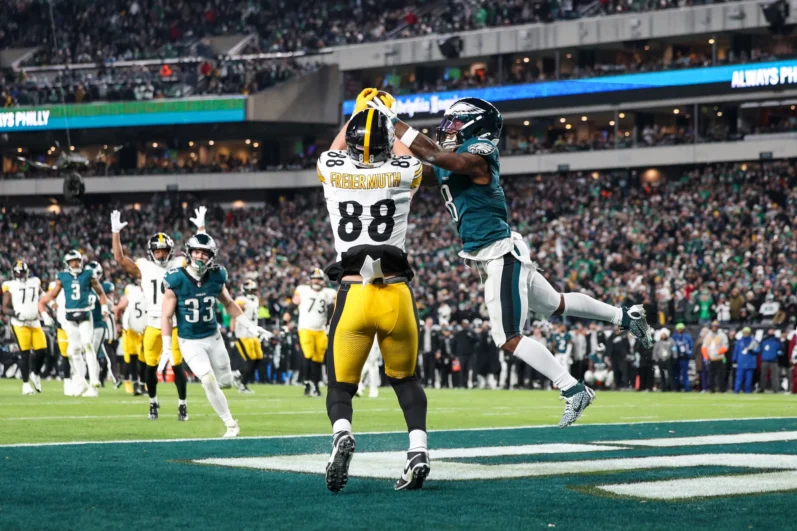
(79, 387)
(307, 389)
(27, 389)
(153, 411)
(68, 387)
(91, 392)
(634, 321)
(415, 471)
(343, 446)
(36, 382)
(129, 387)
(373, 393)
(577, 399)
(232, 431)
(182, 412)
(236, 380)
(138, 389)
(245, 391)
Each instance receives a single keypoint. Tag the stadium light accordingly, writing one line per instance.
(562, 120)
(247, 141)
(583, 118)
(568, 126)
(256, 144)
(526, 59)
(71, 148)
(570, 56)
(191, 143)
(526, 122)
(621, 115)
(675, 111)
(211, 142)
(154, 144)
(711, 41)
(19, 150)
(611, 122)
(719, 114)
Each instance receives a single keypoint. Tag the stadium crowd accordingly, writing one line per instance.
(118, 30)
(715, 243)
(142, 83)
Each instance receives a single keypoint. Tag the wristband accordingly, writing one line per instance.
(409, 136)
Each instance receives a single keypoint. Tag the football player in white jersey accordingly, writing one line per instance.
(315, 302)
(67, 363)
(150, 273)
(247, 343)
(132, 313)
(21, 302)
(370, 374)
(368, 191)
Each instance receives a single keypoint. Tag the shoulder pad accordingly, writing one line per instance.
(6, 285)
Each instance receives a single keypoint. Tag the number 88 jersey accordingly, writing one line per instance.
(368, 206)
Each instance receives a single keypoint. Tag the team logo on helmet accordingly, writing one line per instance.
(160, 241)
(71, 256)
(20, 270)
(205, 243)
(250, 286)
(96, 269)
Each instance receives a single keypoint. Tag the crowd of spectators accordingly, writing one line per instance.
(115, 30)
(142, 83)
(715, 242)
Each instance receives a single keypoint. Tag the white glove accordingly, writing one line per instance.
(116, 222)
(105, 311)
(48, 321)
(166, 353)
(199, 220)
(379, 105)
(263, 334)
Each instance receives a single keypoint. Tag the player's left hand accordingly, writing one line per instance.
(263, 334)
(363, 98)
(105, 311)
(199, 219)
(380, 105)
(48, 321)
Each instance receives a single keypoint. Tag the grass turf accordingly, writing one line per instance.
(280, 410)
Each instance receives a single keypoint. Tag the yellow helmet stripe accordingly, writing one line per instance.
(367, 141)
(160, 237)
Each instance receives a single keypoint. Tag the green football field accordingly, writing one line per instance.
(634, 461)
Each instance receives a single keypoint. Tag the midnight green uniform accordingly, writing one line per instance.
(598, 362)
(96, 308)
(77, 291)
(196, 301)
(479, 210)
(560, 342)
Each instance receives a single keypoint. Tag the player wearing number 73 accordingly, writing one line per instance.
(190, 297)
(368, 188)
(160, 249)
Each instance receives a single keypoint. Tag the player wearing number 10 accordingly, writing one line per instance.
(160, 249)
(190, 296)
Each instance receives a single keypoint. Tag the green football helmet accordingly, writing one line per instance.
(469, 118)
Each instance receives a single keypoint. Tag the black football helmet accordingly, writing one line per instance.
(160, 241)
(20, 270)
(369, 138)
(469, 118)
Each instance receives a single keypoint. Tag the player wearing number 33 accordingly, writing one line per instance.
(160, 249)
(190, 296)
(464, 163)
(368, 188)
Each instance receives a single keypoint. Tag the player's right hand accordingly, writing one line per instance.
(379, 105)
(363, 98)
(116, 222)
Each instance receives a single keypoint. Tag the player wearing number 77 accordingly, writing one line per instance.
(464, 163)
(368, 188)
(191, 293)
(160, 249)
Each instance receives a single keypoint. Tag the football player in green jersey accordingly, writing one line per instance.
(464, 162)
(191, 294)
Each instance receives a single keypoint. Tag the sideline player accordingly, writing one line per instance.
(67, 364)
(131, 312)
(77, 283)
(21, 302)
(247, 343)
(370, 374)
(464, 162)
(150, 272)
(368, 192)
(191, 294)
(315, 302)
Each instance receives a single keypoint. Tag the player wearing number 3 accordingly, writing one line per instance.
(368, 188)
(150, 273)
(190, 297)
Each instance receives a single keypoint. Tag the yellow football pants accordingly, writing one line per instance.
(314, 344)
(386, 311)
(249, 348)
(29, 338)
(132, 344)
(63, 342)
(153, 346)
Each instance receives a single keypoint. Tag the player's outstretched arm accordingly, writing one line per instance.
(199, 219)
(125, 262)
(241, 320)
(120, 308)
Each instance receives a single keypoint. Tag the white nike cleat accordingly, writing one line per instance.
(27, 389)
(79, 387)
(92, 392)
(36, 382)
(415, 471)
(232, 431)
(373, 393)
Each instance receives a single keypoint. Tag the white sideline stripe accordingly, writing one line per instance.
(739, 438)
(327, 434)
(715, 485)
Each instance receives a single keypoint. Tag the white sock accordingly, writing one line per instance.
(181, 402)
(153, 400)
(540, 359)
(417, 440)
(341, 425)
(580, 305)
(93, 364)
(217, 399)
